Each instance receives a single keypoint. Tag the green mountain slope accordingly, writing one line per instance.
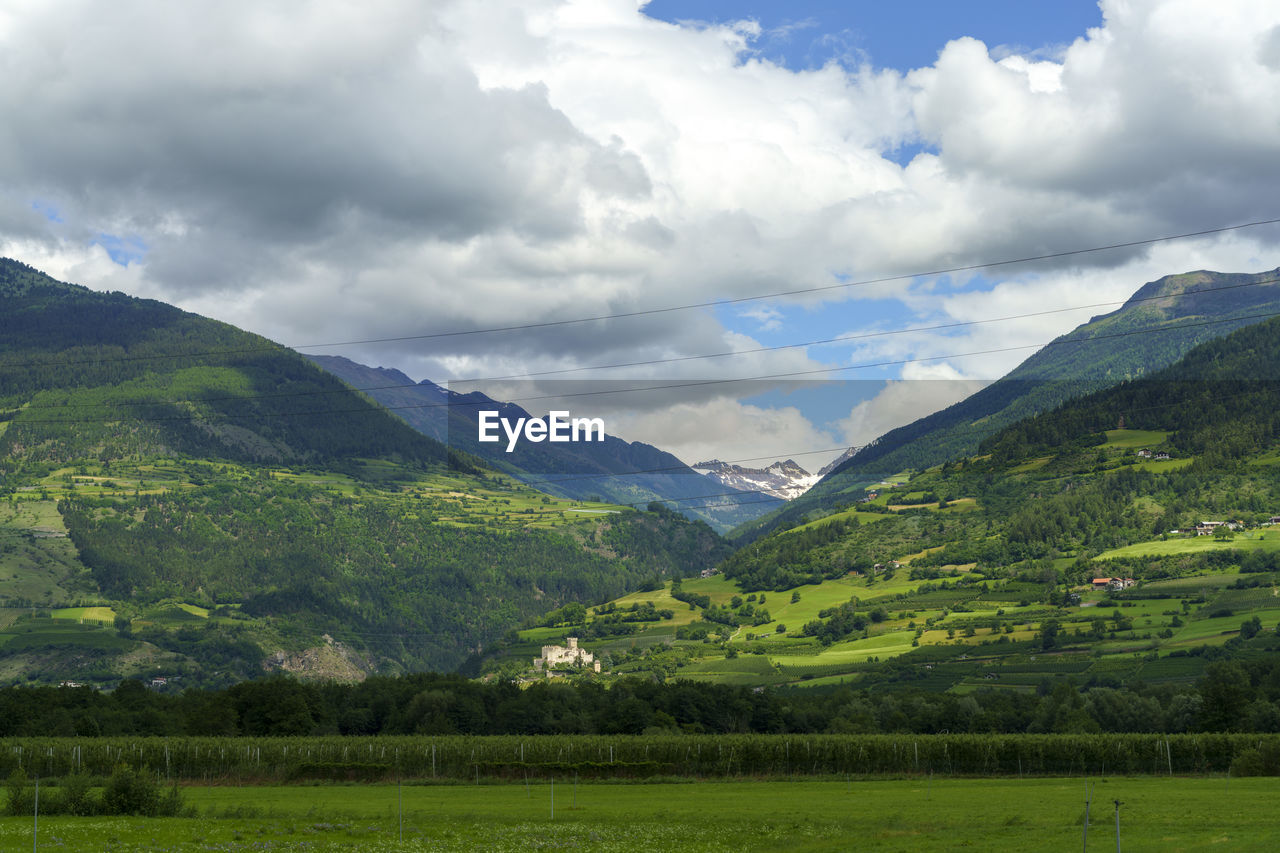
(982, 572)
(85, 372)
(181, 497)
(1116, 347)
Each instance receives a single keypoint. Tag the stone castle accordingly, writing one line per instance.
(571, 655)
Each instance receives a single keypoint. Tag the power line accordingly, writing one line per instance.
(678, 385)
(805, 290)
(669, 309)
(650, 362)
(866, 335)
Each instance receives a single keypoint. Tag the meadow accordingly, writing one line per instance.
(1260, 540)
(922, 812)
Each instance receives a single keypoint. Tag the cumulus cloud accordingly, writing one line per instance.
(729, 430)
(924, 391)
(329, 172)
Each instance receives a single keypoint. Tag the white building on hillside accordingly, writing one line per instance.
(571, 655)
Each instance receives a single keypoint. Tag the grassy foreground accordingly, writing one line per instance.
(1165, 814)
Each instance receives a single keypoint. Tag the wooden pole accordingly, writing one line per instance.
(1087, 794)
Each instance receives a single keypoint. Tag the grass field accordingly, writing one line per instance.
(38, 563)
(1257, 540)
(1161, 466)
(847, 515)
(104, 615)
(1134, 438)
(916, 814)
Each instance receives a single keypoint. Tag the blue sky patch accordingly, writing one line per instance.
(803, 34)
(122, 250)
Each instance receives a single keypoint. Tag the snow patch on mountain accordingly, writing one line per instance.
(785, 480)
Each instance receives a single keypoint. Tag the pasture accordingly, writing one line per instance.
(905, 814)
(1134, 439)
(1266, 540)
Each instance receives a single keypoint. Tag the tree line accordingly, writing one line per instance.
(1232, 696)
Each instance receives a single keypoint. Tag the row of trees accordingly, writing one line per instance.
(1232, 696)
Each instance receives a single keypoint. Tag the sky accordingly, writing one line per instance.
(329, 172)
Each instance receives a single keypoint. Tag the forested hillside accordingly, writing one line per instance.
(104, 374)
(185, 497)
(1052, 484)
(1160, 323)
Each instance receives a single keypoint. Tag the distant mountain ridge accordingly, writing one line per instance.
(1111, 348)
(614, 470)
(783, 480)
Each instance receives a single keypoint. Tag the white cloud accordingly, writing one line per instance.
(332, 172)
(900, 403)
(728, 430)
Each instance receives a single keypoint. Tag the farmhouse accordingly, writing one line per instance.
(1275, 519)
(571, 655)
(706, 573)
(1113, 583)
(1144, 453)
(1206, 528)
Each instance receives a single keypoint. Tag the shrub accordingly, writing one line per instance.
(135, 792)
(75, 796)
(1257, 761)
(19, 796)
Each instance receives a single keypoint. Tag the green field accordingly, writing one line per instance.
(104, 615)
(1267, 540)
(846, 515)
(913, 814)
(1160, 466)
(1135, 438)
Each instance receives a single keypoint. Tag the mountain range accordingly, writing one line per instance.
(179, 496)
(1157, 325)
(785, 480)
(615, 470)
